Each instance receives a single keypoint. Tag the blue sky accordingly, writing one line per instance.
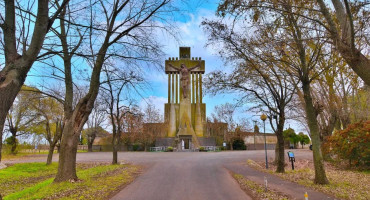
(191, 35)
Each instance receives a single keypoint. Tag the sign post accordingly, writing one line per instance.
(291, 158)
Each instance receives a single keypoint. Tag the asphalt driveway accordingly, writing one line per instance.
(179, 175)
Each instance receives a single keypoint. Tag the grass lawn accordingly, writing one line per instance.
(257, 191)
(344, 184)
(35, 181)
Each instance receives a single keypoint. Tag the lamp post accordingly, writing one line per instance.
(263, 118)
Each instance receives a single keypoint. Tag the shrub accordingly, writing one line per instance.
(239, 144)
(202, 149)
(351, 144)
(169, 149)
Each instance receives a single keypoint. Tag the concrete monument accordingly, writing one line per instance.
(185, 112)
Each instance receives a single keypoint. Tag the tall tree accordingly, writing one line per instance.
(20, 49)
(301, 44)
(258, 73)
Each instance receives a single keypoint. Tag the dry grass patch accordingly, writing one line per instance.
(344, 184)
(257, 191)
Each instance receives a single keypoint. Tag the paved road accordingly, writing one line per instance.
(180, 176)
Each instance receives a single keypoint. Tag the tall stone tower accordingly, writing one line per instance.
(185, 113)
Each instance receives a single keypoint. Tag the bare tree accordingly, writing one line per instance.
(126, 25)
(224, 112)
(152, 114)
(300, 42)
(94, 123)
(116, 84)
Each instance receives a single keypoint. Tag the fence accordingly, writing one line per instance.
(161, 148)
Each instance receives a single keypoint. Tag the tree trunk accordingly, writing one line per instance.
(50, 154)
(353, 56)
(115, 143)
(9, 89)
(356, 60)
(58, 148)
(320, 175)
(68, 152)
(89, 146)
(70, 139)
(280, 160)
(115, 155)
(14, 143)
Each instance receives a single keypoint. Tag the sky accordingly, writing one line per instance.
(191, 35)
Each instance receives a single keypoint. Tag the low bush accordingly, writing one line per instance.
(239, 144)
(351, 144)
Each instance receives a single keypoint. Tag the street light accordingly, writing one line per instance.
(263, 118)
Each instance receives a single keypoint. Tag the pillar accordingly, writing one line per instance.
(200, 87)
(196, 88)
(198, 113)
(177, 87)
(169, 88)
(192, 87)
(173, 88)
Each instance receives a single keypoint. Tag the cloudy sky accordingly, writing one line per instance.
(191, 35)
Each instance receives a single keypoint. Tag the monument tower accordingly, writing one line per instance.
(185, 113)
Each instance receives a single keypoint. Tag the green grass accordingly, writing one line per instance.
(97, 182)
(20, 176)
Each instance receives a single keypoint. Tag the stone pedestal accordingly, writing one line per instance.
(185, 127)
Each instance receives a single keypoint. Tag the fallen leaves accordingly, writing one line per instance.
(344, 184)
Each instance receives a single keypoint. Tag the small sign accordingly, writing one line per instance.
(291, 158)
(224, 144)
